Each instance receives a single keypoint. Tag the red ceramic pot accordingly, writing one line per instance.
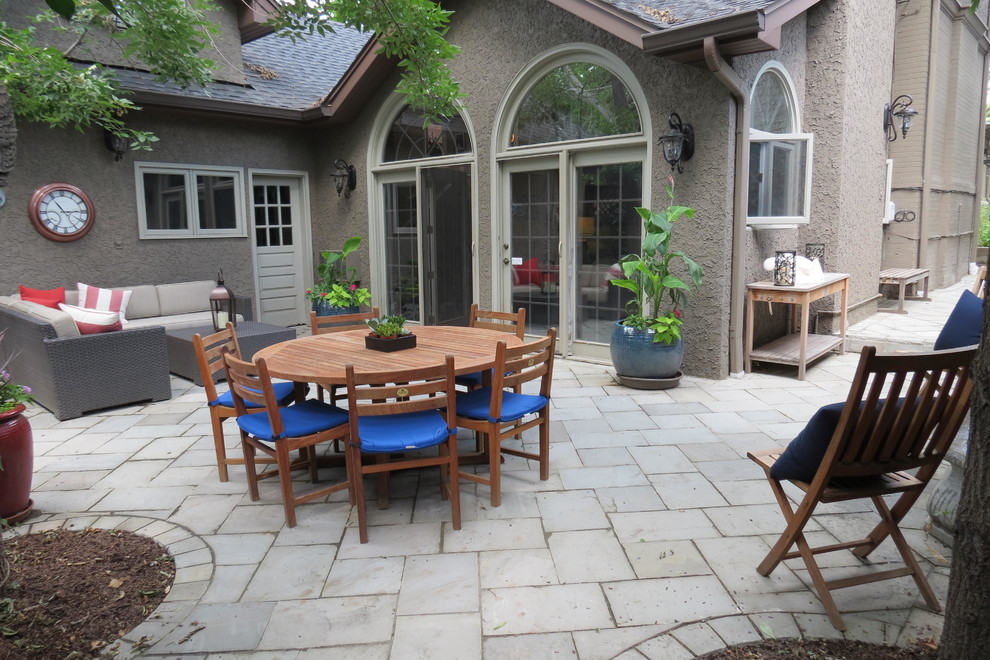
(17, 456)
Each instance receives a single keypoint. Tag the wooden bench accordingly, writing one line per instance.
(902, 277)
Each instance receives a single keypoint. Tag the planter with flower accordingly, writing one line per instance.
(338, 291)
(16, 448)
(388, 334)
(646, 346)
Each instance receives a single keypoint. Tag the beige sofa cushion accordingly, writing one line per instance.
(185, 297)
(62, 323)
(144, 301)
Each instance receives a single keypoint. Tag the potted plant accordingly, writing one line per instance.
(338, 291)
(646, 346)
(16, 448)
(388, 334)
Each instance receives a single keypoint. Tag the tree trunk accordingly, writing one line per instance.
(967, 615)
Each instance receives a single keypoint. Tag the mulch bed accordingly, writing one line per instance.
(825, 649)
(72, 594)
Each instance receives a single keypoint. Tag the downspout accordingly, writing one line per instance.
(921, 259)
(737, 284)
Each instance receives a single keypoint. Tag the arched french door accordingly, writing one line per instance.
(423, 220)
(572, 154)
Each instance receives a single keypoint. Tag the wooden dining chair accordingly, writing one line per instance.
(275, 431)
(392, 422)
(208, 356)
(901, 415)
(502, 410)
(491, 320)
(321, 325)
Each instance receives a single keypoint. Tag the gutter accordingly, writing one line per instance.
(726, 27)
(230, 108)
(737, 285)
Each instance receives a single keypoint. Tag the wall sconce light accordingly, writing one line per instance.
(677, 142)
(345, 179)
(900, 108)
(115, 143)
(986, 158)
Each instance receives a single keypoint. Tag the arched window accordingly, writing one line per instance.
(575, 101)
(779, 154)
(410, 138)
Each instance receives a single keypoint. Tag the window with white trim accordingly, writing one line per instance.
(779, 155)
(190, 201)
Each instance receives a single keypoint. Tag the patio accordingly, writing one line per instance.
(643, 543)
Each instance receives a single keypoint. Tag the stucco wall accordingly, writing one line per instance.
(498, 40)
(111, 254)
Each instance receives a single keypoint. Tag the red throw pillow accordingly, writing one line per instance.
(91, 321)
(528, 273)
(47, 297)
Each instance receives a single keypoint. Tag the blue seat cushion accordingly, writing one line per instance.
(284, 393)
(476, 404)
(471, 380)
(804, 454)
(402, 432)
(299, 419)
(964, 324)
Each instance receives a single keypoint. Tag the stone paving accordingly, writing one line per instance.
(642, 544)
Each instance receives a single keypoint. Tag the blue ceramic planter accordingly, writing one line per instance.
(324, 309)
(635, 355)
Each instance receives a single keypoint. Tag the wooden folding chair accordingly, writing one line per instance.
(901, 415)
(275, 431)
(514, 323)
(391, 421)
(321, 325)
(208, 355)
(502, 410)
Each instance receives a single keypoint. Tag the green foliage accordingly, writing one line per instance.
(388, 326)
(658, 292)
(11, 394)
(411, 30)
(984, 239)
(338, 283)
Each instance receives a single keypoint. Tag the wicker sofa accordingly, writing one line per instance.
(71, 374)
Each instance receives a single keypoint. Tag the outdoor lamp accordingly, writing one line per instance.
(345, 179)
(900, 108)
(784, 267)
(223, 305)
(115, 143)
(677, 142)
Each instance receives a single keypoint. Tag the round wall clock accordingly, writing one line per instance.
(61, 212)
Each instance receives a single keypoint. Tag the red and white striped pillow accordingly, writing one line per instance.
(104, 300)
(90, 321)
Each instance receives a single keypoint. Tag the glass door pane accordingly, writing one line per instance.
(446, 214)
(535, 217)
(608, 228)
(401, 250)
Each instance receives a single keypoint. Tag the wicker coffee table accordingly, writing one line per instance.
(251, 336)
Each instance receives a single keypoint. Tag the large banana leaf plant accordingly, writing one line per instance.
(658, 293)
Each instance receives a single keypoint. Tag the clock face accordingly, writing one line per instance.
(61, 212)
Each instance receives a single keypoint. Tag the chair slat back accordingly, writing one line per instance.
(903, 411)
(321, 325)
(513, 322)
(428, 388)
(208, 355)
(521, 364)
(251, 382)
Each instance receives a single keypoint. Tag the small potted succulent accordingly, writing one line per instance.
(389, 333)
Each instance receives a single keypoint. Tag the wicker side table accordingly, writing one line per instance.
(251, 336)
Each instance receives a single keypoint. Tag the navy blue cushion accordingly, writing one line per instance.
(963, 325)
(805, 452)
(300, 419)
(471, 380)
(477, 405)
(284, 393)
(402, 432)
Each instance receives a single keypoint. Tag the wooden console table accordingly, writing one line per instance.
(798, 348)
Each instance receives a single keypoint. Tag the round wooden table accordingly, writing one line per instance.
(321, 358)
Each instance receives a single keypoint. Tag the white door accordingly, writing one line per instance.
(277, 224)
